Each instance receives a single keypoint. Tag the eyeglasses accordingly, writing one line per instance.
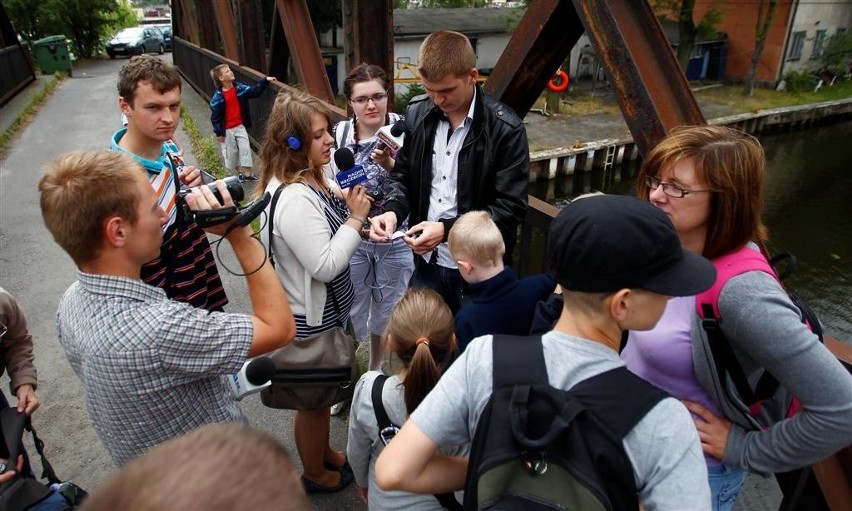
(671, 189)
(375, 98)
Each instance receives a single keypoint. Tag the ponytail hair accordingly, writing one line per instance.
(422, 334)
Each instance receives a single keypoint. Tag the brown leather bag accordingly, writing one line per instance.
(314, 372)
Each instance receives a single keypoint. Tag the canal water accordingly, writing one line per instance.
(808, 211)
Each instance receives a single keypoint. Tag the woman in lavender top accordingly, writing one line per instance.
(709, 181)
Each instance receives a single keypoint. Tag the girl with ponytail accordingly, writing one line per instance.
(421, 333)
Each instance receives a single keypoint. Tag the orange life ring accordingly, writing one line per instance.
(559, 82)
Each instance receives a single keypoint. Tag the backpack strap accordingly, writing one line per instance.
(447, 500)
(729, 266)
(47, 471)
(518, 360)
(382, 418)
(619, 398)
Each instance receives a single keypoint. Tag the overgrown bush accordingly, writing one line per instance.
(800, 81)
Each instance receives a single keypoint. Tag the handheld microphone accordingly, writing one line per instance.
(392, 136)
(350, 174)
(253, 377)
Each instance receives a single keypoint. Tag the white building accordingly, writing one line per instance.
(811, 25)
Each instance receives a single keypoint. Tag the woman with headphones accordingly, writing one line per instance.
(314, 235)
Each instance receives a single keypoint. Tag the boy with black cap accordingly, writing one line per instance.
(617, 259)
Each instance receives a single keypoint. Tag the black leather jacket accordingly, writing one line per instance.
(493, 166)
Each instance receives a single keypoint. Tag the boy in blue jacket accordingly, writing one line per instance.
(231, 116)
(501, 302)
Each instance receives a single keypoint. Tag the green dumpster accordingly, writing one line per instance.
(52, 54)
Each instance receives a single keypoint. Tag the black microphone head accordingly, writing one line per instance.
(398, 128)
(260, 370)
(344, 159)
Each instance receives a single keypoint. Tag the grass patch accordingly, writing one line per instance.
(31, 108)
(768, 98)
(580, 103)
(205, 149)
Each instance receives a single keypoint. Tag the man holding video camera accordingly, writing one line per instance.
(149, 96)
(151, 368)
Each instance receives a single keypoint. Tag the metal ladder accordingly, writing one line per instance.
(610, 157)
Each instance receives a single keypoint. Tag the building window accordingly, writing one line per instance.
(796, 46)
(819, 43)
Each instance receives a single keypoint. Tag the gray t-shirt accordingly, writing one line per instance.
(668, 464)
(364, 446)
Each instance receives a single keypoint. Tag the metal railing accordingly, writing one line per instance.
(15, 72)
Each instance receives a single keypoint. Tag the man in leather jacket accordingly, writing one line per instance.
(463, 151)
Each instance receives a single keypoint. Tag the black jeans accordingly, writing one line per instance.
(447, 282)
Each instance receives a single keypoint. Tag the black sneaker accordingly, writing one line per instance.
(250, 177)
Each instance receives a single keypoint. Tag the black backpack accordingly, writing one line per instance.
(540, 448)
(24, 493)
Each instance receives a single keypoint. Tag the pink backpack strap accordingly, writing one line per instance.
(729, 266)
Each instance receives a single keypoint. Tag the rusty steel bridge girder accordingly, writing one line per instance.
(650, 86)
(652, 91)
(304, 47)
(538, 46)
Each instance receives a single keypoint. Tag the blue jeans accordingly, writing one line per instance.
(447, 282)
(380, 273)
(726, 481)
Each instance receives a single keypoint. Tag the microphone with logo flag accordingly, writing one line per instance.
(349, 174)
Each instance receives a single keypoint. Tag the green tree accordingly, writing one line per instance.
(325, 15)
(837, 54)
(765, 13)
(683, 12)
(85, 22)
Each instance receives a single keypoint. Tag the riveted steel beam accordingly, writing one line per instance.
(278, 62)
(651, 88)
(185, 24)
(304, 47)
(206, 25)
(542, 40)
(251, 35)
(227, 32)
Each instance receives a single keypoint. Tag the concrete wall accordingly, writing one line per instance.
(810, 18)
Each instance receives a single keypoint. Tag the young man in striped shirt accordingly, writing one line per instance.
(149, 96)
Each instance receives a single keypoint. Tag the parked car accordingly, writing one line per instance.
(136, 41)
(167, 35)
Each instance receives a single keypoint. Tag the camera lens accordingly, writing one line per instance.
(234, 188)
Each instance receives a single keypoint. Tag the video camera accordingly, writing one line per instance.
(207, 218)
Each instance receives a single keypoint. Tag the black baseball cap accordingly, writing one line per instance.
(604, 243)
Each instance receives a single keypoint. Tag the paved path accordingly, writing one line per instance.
(82, 115)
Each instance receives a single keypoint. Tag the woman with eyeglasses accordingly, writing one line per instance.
(709, 180)
(380, 271)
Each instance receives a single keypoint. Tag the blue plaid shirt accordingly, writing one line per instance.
(151, 368)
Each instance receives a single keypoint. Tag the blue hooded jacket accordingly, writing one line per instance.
(244, 93)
